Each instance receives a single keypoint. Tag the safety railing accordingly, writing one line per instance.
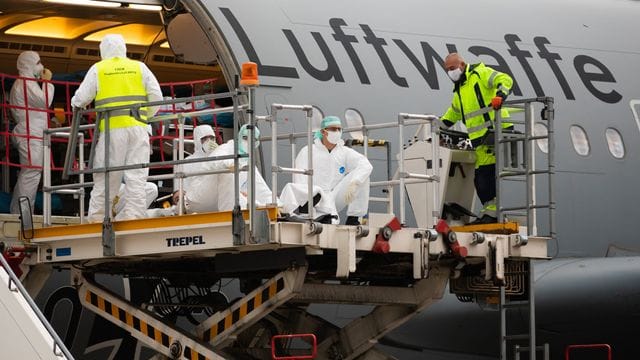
(46, 174)
(19, 106)
(73, 133)
(516, 159)
(403, 121)
(60, 113)
(275, 168)
(14, 284)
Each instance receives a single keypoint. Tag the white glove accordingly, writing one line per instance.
(350, 192)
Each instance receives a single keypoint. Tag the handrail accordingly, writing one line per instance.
(275, 169)
(58, 344)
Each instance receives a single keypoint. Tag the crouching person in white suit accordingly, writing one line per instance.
(340, 178)
(226, 198)
(215, 192)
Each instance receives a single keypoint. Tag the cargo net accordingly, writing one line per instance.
(29, 106)
(472, 282)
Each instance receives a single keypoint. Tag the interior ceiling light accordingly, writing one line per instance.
(59, 27)
(145, 7)
(134, 34)
(87, 3)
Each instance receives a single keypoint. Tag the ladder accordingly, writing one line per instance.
(529, 336)
(516, 162)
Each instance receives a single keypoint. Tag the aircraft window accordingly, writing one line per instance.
(540, 129)
(580, 140)
(316, 118)
(354, 119)
(635, 109)
(614, 140)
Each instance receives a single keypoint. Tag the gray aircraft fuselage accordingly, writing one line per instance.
(382, 58)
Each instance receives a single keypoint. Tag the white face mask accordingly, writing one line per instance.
(454, 74)
(243, 146)
(37, 71)
(334, 136)
(209, 146)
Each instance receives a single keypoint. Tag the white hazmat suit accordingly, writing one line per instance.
(341, 174)
(226, 198)
(201, 193)
(128, 145)
(28, 93)
(215, 192)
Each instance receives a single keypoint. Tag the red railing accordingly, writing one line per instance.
(567, 351)
(308, 338)
(60, 113)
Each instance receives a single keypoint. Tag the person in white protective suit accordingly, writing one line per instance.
(37, 97)
(118, 81)
(215, 192)
(150, 191)
(150, 194)
(200, 191)
(226, 198)
(340, 176)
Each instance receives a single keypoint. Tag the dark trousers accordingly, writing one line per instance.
(485, 182)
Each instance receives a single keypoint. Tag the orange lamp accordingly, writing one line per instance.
(249, 75)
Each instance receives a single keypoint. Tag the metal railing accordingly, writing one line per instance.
(404, 120)
(275, 169)
(75, 131)
(59, 349)
(509, 165)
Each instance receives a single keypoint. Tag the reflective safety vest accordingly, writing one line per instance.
(480, 85)
(120, 83)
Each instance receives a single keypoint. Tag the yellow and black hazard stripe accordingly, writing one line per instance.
(112, 310)
(245, 308)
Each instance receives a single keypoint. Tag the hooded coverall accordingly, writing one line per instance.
(38, 98)
(116, 81)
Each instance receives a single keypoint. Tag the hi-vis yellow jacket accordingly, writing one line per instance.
(473, 92)
(120, 83)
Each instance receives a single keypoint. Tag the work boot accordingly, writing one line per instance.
(304, 209)
(352, 220)
(485, 219)
(326, 219)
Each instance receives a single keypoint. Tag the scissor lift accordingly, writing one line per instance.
(302, 263)
(282, 266)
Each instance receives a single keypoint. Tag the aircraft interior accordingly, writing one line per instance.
(67, 38)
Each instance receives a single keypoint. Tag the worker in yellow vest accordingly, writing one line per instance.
(118, 81)
(477, 86)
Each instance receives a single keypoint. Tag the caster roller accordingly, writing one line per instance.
(478, 238)
(362, 231)
(431, 234)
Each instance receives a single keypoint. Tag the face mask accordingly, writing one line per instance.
(37, 71)
(454, 74)
(334, 136)
(209, 146)
(243, 146)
